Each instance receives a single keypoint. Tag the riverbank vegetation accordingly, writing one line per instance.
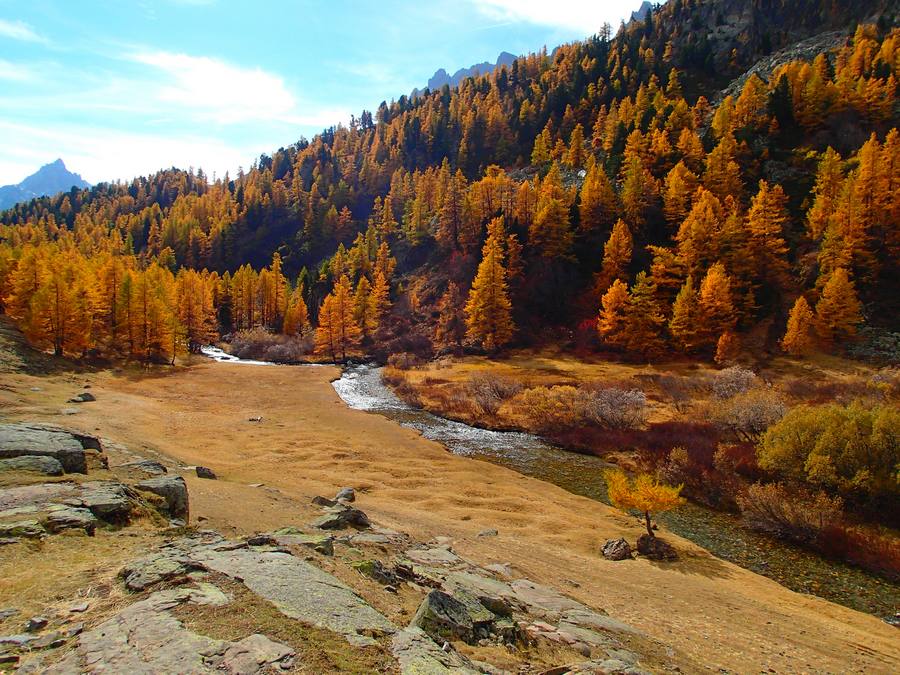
(806, 454)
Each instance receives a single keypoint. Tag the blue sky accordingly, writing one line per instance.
(123, 88)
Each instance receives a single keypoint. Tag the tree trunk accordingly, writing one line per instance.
(647, 523)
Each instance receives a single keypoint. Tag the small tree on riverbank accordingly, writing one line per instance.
(645, 494)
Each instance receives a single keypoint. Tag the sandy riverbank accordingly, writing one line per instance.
(309, 442)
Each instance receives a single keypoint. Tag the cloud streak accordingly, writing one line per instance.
(584, 16)
(19, 30)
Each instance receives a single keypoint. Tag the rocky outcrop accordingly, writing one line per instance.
(418, 654)
(46, 466)
(341, 516)
(616, 549)
(172, 489)
(73, 451)
(146, 638)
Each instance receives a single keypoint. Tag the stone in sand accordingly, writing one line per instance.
(205, 472)
(616, 549)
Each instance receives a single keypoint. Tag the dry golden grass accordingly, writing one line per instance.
(310, 443)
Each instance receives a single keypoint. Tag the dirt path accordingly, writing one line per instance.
(309, 442)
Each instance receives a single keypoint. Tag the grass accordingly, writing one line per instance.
(318, 650)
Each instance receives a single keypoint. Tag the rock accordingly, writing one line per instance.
(204, 472)
(655, 548)
(8, 659)
(71, 518)
(340, 517)
(320, 543)
(488, 533)
(347, 494)
(36, 623)
(30, 529)
(7, 541)
(458, 616)
(83, 397)
(7, 612)
(69, 411)
(108, 500)
(49, 641)
(300, 591)
(319, 500)
(17, 640)
(75, 629)
(171, 488)
(70, 449)
(374, 569)
(254, 653)
(616, 549)
(79, 607)
(145, 572)
(146, 466)
(48, 466)
(418, 654)
(146, 638)
(433, 556)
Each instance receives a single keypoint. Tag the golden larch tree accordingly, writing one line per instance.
(838, 312)
(799, 338)
(488, 308)
(338, 333)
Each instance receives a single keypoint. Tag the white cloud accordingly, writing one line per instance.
(15, 72)
(100, 154)
(19, 30)
(584, 16)
(214, 90)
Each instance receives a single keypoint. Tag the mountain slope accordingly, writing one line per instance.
(48, 180)
(441, 77)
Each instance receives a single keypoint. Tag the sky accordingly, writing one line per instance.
(120, 88)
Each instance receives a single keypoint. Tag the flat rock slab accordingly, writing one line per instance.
(300, 591)
(70, 449)
(171, 488)
(42, 464)
(418, 654)
(145, 638)
(433, 556)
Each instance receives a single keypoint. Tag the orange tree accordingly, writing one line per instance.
(645, 494)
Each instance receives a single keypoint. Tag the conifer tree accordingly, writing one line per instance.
(616, 256)
(728, 348)
(296, 318)
(838, 312)
(611, 320)
(799, 338)
(599, 202)
(338, 333)
(451, 327)
(714, 304)
(766, 222)
(488, 308)
(680, 187)
(684, 324)
(644, 319)
(380, 298)
(363, 311)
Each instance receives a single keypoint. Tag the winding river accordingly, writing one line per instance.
(361, 387)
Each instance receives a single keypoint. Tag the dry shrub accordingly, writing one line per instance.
(864, 547)
(732, 381)
(491, 391)
(681, 390)
(747, 415)
(403, 361)
(799, 515)
(543, 409)
(845, 390)
(260, 345)
(614, 408)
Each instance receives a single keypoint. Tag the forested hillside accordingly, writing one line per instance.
(609, 197)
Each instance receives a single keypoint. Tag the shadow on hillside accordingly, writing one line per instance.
(696, 563)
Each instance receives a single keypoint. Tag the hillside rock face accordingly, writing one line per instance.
(48, 180)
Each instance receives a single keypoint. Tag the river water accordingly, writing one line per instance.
(361, 387)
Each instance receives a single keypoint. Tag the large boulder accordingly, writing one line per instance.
(171, 488)
(616, 549)
(70, 518)
(340, 517)
(454, 617)
(45, 465)
(655, 548)
(70, 449)
(108, 500)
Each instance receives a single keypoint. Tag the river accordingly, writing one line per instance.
(361, 387)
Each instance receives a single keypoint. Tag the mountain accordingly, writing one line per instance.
(641, 14)
(441, 77)
(48, 180)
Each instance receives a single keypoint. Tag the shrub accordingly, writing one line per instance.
(403, 360)
(490, 391)
(733, 381)
(864, 547)
(851, 448)
(681, 390)
(613, 408)
(749, 414)
(544, 408)
(800, 515)
(261, 345)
